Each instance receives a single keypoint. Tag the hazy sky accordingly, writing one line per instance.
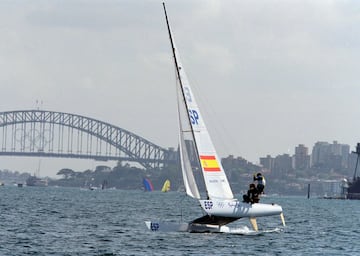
(268, 75)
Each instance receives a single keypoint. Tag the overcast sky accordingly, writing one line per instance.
(268, 75)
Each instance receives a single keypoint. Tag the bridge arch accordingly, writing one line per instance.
(57, 134)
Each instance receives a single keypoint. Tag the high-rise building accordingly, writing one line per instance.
(334, 156)
(282, 164)
(319, 154)
(301, 158)
(267, 162)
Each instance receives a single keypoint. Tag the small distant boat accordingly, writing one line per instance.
(34, 181)
(104, 184)
(166, 187)
(148, 186)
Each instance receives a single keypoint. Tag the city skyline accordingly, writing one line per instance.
(261, 159)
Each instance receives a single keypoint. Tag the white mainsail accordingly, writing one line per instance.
(216, 182)
(187, 172)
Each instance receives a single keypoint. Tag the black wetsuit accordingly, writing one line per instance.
(252, 196)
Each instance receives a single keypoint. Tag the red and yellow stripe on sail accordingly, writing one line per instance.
(209, 163)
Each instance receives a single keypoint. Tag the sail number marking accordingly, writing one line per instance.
(154, 226)
(208, 205)
(194, 117)
(187, 94)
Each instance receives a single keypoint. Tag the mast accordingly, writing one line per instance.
(172, 46)
(178, 69)
(182, 90)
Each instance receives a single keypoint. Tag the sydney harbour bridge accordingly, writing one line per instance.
(40, 133)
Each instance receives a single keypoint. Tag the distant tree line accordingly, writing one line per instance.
(13, 177)
(120, 177)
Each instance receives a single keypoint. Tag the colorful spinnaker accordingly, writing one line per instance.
(148, 186)
(166, 186)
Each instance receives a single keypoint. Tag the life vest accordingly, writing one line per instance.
(260, 179)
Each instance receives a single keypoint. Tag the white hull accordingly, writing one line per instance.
(236, 209)
(157, 226)
(220, 213)
(167, 226)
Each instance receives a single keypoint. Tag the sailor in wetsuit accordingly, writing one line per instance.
(252, 195)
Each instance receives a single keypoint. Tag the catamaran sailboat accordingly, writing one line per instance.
(220, 205)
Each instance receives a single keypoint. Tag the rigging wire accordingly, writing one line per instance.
(211, 114)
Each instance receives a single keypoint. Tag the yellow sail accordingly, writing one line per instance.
(166, 186)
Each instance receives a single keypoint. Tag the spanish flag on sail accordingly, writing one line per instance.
(209, 163)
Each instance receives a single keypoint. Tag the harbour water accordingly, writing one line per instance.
(69, 221)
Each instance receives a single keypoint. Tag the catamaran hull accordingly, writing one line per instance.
(158, 226)
(200, 228)
(167, 226)
(236, 209)
(219, 213)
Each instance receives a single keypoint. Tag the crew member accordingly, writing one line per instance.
(261, 182)
(252, 195)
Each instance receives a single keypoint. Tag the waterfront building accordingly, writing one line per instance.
(267, 162)
(301, 158)
(332, 156)
(282, 164)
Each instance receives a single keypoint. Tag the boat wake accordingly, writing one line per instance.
(244, 230)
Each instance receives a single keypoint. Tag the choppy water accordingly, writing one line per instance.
(63, 221)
